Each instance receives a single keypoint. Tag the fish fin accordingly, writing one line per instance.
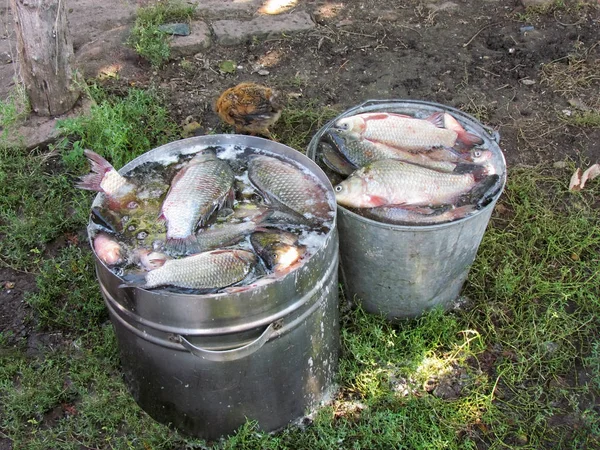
(185, 245)
(99, 167)
(437, 119)
(161, 218)
(464, 139)
(376, 200)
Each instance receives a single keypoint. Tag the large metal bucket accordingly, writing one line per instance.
(207, 363)
(402, 271)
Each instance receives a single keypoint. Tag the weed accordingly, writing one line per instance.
(146, 38)
(299, 122)
(67, 297)
(38, 204)
(13, 110)
(120, 129)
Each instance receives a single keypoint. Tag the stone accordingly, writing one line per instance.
(234, 32)
(446, 6)
(108, 52)
(197, 41)
(221, 8)
(39, 131)
(543, 3)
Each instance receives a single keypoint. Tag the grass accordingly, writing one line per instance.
(147, 39)
(517, 367)
(118, 128)
(12, 110)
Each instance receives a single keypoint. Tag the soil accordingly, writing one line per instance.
(470, 54)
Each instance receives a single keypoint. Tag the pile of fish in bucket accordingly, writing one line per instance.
(223, 219)
(407, 170)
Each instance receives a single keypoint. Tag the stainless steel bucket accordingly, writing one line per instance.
(206, 363)
(402, 271)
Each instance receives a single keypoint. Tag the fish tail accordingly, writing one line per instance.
(187, 245)
(99, 167)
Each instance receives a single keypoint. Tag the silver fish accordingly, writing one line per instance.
(399, 215)
(285, 184)
(406, 132)
(202, 186)
(394, 182)
(360, 152)
(228, 233)
(208, 270)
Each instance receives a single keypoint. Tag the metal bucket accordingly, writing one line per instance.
(206, 363)
(402, 271)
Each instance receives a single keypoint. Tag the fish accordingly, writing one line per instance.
(118, 190)
(108, 250)
(202, 186)
(278, 249)
(407, 132)
(413, 215)
(394, 182)
(211, 270)
(333, 157)
(228, 233)
(150, 259)
(285, 185)
(359, 152)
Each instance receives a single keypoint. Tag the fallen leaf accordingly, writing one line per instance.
(575, 182)
(227, 66)
(591, 173)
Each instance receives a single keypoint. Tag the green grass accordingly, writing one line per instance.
(146, 38)
(299, 122)
(118, 128)
(517, 367)
(12, 110)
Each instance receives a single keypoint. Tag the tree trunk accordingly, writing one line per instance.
(45, 54)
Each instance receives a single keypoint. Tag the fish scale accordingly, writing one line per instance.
(197, 190)
(394, 182)
(208, 270)
(396, 130)
(289, 186)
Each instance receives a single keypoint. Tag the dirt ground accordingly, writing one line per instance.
(487, 57)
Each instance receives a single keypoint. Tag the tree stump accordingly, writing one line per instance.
(45, 54)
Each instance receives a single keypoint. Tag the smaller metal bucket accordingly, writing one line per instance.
(207, 363)
(402, 271)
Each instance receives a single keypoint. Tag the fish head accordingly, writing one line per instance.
(108, 250)
(351, 126)
(280, 256)
(352, 192)
(479, 156)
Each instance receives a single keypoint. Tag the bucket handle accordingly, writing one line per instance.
(232, 354)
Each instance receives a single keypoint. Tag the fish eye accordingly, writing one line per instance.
(476, 153)
(339, 188)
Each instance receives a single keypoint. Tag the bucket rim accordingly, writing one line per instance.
(375, 104)
(195, 144)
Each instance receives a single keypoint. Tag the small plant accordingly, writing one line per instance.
(13, 110)
(117, 128)
(147, 39)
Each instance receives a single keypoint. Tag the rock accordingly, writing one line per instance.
(530, 3)
(446, 6)
(93, 58)
(198, 40)
(220, 8)
(233, 32)
(39, 131)
(177, 29)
